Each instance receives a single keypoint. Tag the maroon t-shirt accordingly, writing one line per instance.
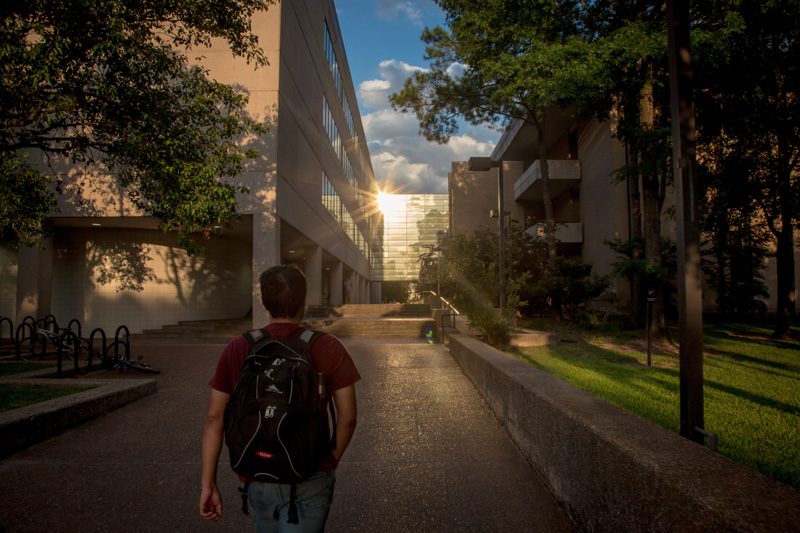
(329, 354)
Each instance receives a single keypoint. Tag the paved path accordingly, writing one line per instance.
(428, 455)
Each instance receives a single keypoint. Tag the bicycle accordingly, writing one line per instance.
(121, 359)
(64, 341)
(116, 355)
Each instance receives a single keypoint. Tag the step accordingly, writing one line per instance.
(393, 328)
(359, 320)
(369, 310)
(229, 327)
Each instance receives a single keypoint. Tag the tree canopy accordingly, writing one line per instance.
(749, 133)
(108, 84)
(504, 59)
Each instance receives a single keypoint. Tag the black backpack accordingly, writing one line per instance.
(277, 422)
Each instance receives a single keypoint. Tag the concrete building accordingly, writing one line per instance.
(590, 205)
(309, 203)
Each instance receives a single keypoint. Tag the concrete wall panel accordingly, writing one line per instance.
(109, 277)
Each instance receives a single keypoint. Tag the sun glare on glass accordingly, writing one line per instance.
(387, 203)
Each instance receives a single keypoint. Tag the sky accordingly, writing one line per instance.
(383, 47)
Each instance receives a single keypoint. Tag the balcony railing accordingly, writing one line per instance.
(566, 232)
(564, 174)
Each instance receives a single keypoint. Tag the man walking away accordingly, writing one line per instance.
(283, 293)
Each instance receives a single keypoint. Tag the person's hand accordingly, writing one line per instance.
(211, 504)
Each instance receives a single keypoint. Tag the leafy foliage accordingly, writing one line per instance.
(572, 285)
(109, 85)
(26, 200)
(749, 122)
(630, 267)
(396, 292)
(470, 279)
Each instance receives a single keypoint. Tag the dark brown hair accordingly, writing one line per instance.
(283, 290)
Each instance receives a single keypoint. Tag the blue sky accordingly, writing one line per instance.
(381, 38)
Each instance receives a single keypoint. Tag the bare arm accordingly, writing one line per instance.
(210, 499)
(346, 414)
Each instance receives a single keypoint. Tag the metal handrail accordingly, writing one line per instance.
(454, 312)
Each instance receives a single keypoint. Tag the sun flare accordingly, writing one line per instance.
(387, 203)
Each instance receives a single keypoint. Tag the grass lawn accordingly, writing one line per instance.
(16, 396)
(8, 369)
(752, 389)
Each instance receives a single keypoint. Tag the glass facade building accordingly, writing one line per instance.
(409, 222)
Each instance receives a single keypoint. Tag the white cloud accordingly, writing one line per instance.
(456, 70)
(410, 164)
(391, 10)
(374, 94)
(403, 160)
(389, 124)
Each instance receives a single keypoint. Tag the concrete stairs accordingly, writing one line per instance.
(203, 329)
(369, 310)
(387, 321)
(382, 321)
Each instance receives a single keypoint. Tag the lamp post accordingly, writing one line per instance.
(483, 164)
(690, 297)
(509, 242)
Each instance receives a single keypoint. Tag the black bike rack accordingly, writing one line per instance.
(19, 338)
(126, 342)
(77, 323)
(49, 320)
(27, 331)
(102, 334)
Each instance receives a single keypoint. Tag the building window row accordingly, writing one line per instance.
(333, 65)
(330, 128)
(333, 203)
(344, 150)
(336, 141)
(331, 200)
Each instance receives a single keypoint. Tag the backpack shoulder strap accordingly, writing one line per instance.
(257, 338)
(310, 336)
(302, 340)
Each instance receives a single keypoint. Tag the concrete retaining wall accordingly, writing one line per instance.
(614, 471)
(23, 427)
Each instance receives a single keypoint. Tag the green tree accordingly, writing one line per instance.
(738, 239)
(493, 63)
(523, 59)
(469, 278)
(109, 85)
(396, 292)
(751, 119)
(630, 40)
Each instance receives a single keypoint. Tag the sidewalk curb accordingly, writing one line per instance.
(23, 427)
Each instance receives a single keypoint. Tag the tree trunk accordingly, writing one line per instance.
(786, 284)
(652, 211)
(637, 292)
(550, 224)
(723, 296)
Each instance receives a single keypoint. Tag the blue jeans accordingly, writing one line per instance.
(269, 504)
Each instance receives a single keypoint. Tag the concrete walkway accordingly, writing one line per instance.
(428, 455)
